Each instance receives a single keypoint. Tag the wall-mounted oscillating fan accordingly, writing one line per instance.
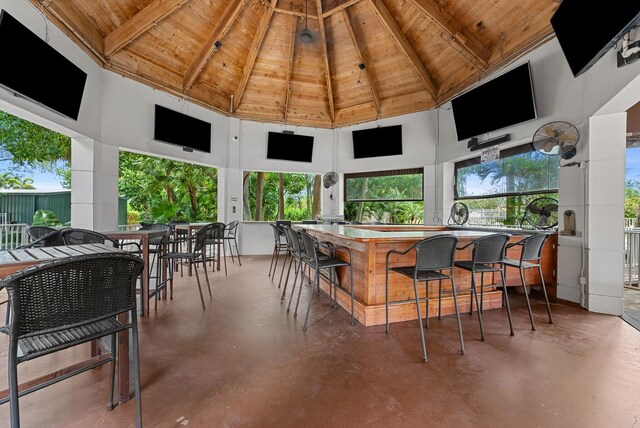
(459, 214)
(329, 180)
(541, 213)
(557, 138)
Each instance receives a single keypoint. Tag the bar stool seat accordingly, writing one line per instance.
(421, 274)
(518, 263)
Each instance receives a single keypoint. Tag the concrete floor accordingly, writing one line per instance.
(245, 363)
(632, 306)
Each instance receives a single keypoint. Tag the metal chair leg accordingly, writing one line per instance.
(199, 287)
(284, 264)
(14, 408)
(353, 319)
(426, 323)
(386, 299)
(237, 251)
(546, 297)
(224, 258)
(136, 369)
(526, 295)
(475, 292)
(293, 288)
(424, 345)
(455, 304)
(440, 297)
(286, 280)
(295, 313)
(273, 256)
(306, 318)
(481, 291)
(113, 351)
(505, 295)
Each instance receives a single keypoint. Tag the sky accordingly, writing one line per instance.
(633, 164)
(42, 181)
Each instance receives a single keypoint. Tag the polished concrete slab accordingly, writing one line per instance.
(245, 362)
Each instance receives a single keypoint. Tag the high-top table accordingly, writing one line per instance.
(194, 227)
(14, 260)
(142, 236)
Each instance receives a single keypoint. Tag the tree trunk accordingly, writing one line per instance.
(317, 196)
(310, 198)
(361, 204)
(171, 195)
(246, 206)
(259, 196)
(281, 196)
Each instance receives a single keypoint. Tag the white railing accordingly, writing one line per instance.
(13, 235)
(631, 256)
(4, 218)
(630, 222)
(122, 227)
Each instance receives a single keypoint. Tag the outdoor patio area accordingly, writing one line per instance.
(245, 362)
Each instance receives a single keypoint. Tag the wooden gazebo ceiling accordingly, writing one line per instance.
(417, 54)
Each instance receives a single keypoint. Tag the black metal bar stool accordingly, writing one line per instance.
(433, 256)
(279, 247)
(487, 256)
(530, 256)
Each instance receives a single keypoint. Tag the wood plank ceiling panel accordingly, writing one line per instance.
(350, 85)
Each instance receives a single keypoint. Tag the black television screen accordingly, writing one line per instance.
(33, 69)
(501, 102)
(587, 30)
(290, 147)
(375, 142)
(176, 128)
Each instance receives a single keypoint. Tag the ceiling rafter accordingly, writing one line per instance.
(261, 31)
(325, 55)
(362, 56)
(461, 39)
(293, 13)
(292, 48)
(139, 24)
(405, 47)
(208, 48)
(340, 8)
(87, 35)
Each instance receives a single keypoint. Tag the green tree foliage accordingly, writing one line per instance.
(10, 181)
(389, 199)
(162, 190)
(297, 191)
(632, 199)
(45, 218)
(32, 147)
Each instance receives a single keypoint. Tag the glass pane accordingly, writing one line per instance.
(523, 173)
(406, 212)
(385, 188)
(504, 211)
(270, 196)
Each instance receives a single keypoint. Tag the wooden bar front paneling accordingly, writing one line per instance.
(369, 246)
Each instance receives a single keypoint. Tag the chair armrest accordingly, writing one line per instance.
(465, 246)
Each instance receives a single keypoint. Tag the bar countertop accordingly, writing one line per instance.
(388, 232)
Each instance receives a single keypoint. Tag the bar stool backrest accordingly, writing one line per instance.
(202, 236)
(436, 253)
(532, 246)
(276, 233)
(490, 249)
(232, 228)
(309, 246)
(37, 232)
(75, 236)
(157, 226)
(293, 240)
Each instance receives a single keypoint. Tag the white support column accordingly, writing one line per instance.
(94, 185)
(438, 193)
(605, 240)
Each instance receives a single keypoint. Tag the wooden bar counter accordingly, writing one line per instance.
(369, 245)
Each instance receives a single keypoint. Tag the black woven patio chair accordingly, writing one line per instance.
(51, 239)
(60, 304)
(487, 256)
(77, 236)
(279, 247)
(230, 235)
(434, 262)
(37, 232)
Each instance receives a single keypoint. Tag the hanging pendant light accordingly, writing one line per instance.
(305, 34)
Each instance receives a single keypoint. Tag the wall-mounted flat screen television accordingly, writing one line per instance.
(587, 30)
(376, 142)
(291, 147)
(504, 101)
(33, 69)
(181, 130)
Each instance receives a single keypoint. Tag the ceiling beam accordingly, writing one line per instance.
(293, 13)
(139, 24)
(325, 55)
(261, 31)
(405, 47)
(340, 8)
(292, 49)
(75, 25)
(458, 36)
(362, 56)
(208, 48)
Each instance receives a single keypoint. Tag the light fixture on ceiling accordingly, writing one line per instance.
(361, 66)
(305, 34)
(218, 45)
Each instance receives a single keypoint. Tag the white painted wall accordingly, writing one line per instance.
(118, 112)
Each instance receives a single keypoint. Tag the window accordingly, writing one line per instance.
(497, 193)
(385, 196)
(270, 196)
